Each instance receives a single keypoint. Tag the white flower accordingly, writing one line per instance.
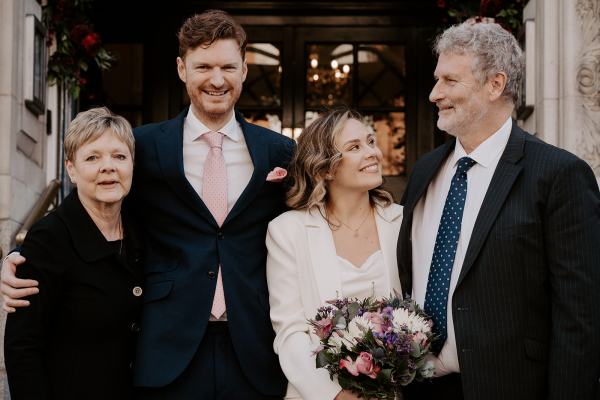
(349, 336)
(356, 328)
(413, 322)
(336, 341)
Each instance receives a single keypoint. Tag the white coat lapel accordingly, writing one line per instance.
(324, 261)
(388, 222)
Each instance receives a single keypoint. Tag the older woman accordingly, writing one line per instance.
(76, 339)
(339, 241)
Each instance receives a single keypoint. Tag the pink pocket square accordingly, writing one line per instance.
(277, 175)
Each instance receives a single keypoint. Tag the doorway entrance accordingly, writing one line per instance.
(296, 72)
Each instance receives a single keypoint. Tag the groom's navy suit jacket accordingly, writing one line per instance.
(184, 248)
(526, 308)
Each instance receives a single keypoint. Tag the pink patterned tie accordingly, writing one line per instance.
(214, 195)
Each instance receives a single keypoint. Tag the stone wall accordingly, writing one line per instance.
(587, 82)
(22, 133)
(567, 77)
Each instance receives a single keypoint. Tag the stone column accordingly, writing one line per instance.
(567, 77)
(22, 132)
(582, 94)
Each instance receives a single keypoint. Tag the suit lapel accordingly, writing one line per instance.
(384, 218)
(259, 153)
(502, 181)
(421, 178)
(427, 173)
(323, 257)
(169, 150)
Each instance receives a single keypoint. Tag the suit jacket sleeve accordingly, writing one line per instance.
(27, 330)
(292, 342)
(573, 252)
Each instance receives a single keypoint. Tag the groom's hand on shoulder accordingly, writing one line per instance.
(14, 289)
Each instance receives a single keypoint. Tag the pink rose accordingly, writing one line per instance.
(349, 365)
(379, 323)
(420, 338)
(323, 328)
(276, 175)
(364, 365)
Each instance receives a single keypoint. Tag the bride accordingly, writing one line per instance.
(339, 240)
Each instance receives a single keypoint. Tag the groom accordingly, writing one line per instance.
(203, 195)
(501, 239)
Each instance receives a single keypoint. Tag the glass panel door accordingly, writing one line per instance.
(261, 97)
(367, 77)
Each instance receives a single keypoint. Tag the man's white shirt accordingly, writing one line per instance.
(426, 220)
(235, 152)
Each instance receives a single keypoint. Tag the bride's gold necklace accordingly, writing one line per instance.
(354, 230)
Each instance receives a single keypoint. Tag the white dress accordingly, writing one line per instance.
(368, 280)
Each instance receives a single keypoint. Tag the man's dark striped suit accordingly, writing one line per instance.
(526, 308)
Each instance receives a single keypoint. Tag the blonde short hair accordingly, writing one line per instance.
(89, 125)
(316, 157)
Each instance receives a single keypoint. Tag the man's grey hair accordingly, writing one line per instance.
(494, 49)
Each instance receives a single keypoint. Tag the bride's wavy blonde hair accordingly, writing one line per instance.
(317, 157)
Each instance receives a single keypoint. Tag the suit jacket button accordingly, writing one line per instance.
(137, 291)
(211, 274)
(220, 235)
(135, 328)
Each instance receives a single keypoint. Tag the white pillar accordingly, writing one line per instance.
(547, 58)
(582, 99)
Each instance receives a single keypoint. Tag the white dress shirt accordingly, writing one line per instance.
(427, 216)
(235, 152)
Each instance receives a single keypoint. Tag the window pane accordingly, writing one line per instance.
(270, 120)
(38, 67)
(262, 88)
(329, 75)
(390, 131)
(381, 75)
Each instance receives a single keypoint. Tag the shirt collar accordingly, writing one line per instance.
(194, 128)
(488, 151)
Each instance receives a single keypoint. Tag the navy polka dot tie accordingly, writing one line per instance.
(438, 284)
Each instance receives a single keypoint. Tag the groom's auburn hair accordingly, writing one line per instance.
(206, 28)
(315, 161)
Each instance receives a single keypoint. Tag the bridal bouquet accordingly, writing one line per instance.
(373, 347)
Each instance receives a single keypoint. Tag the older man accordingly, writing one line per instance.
(501, 239)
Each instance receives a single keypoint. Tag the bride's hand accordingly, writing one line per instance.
(347, 395)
